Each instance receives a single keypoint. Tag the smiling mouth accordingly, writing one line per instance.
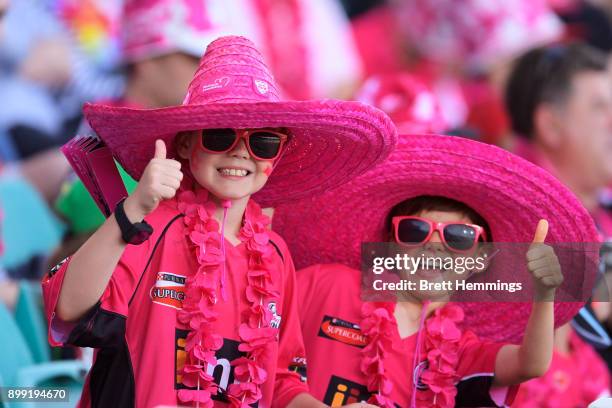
(233, 172)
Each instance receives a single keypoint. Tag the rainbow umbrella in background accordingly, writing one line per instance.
(95, 26)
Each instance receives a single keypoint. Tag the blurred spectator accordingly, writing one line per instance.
(29, 230)
(474, 33)
(586, 21)
(408, 102)
(161, 42)
(356, 8)
(377, 36)
(308, 45)
(46, 76)
(464, 48)
(559, 99)
(577, 376)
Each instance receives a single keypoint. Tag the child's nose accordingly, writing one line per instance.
(435, 238)
(434, 245)
(240, 151)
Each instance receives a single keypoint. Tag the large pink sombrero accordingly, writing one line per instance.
(509, 192)
(332, 141)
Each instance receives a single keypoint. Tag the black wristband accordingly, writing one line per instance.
(131, 233)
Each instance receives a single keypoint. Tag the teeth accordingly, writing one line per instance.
(233, 172)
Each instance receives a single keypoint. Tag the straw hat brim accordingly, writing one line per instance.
(332, 141)
(507, 191)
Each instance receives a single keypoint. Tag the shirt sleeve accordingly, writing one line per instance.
(288, 383)
(104, 324)
(476, 372)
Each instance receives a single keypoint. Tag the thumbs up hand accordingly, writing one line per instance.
(543, 264)
(160, 180)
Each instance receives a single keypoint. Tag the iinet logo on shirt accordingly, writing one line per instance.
(343, 392)
(340, 330)
(223, 372)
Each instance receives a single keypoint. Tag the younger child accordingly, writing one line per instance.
(195, 305)
(445, 194)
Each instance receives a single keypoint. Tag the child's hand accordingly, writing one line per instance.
(160, 180)
(543, 264)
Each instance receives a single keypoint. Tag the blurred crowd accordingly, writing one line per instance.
(532, 76)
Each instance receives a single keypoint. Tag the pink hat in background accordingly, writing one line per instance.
(331, 141)
(408, 101)
(477, 32)
(151, 28)
(511, 194)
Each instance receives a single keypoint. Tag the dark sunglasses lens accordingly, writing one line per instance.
(218, 140)
(412, 231)
(459, 236)
(265, 145)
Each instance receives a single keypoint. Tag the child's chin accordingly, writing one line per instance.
(232, 194)
(227, 191)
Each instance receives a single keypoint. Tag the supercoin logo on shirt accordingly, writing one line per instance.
(169, 290)
(340, 330)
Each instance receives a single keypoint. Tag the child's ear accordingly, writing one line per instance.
(184, 143)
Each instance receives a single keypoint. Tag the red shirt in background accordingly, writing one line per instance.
(139, 342)
(330, 312)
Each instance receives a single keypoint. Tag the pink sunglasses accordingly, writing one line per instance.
(456, 236)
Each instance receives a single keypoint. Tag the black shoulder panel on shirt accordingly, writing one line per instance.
(111, 380)
(474, 392)
(98, 328)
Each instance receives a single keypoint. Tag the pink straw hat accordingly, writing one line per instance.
(331, 141)
(507, 191)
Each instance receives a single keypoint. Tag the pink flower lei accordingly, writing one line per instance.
(442, 336)
(201, 296)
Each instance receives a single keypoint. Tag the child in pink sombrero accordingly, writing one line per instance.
(411, 352)
(195, 306)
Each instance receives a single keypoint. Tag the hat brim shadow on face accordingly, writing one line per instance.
(507, 191)
(331, 141)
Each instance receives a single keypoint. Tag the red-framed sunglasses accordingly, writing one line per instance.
(262, 144)
(456, 236)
